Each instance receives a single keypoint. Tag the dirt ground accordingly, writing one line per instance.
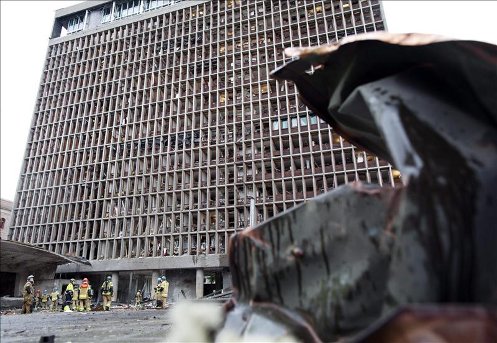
(123, 325)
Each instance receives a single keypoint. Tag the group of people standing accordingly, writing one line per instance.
(160, 294)
(75, 298)
(78, 297)
(36, 299)
(47, 300)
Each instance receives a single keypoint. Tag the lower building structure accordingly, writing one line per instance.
(189, 277)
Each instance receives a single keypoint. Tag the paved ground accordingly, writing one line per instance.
(123, 325)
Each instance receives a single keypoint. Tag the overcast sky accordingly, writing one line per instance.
(26, 26)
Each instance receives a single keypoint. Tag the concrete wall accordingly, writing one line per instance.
(6, 212)
(227, 284)
(181, 280)
(43, 278)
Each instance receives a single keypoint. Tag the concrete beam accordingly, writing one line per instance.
(79, 7)
(149, 263)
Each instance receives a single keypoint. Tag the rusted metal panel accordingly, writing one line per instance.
(433, 323)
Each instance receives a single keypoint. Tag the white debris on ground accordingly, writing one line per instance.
(195, 322)
(199, 322)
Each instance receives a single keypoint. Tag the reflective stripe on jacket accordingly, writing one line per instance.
(83, 291)
(165, 288)
(107, 288)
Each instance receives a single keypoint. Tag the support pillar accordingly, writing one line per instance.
(115, 285)
(227, 279)
(252, 217)
(21, 279)
(200, 283)
(130, 294)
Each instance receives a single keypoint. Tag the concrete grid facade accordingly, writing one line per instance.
(157, 133)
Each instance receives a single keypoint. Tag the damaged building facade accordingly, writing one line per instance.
(158, 133)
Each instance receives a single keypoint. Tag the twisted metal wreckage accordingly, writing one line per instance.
(332, 267)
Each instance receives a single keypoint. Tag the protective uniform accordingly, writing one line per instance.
(84, 299)
(158, 291)
(44, 299)
(90, 296)
(107, 291)
(138, 299)
(164, 290)
(68, 294)
(54, 297)
(37, 299)
(27, 294)
(75, 297)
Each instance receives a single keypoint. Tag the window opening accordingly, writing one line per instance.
(76, 23)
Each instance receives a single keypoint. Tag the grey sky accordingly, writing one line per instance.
(24, 44)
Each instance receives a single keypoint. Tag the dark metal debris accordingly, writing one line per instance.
(332, 266)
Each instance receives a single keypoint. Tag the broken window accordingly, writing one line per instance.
(152, 4)
(284, 123)
(303, 121)
(275, 125)
(126, 9)
(76, 23)
(313, 119)
(106, 14)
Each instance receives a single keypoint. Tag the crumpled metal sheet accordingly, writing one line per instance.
(333, 265)
(320, 263)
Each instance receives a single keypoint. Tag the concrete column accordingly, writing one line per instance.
(155, 276)
(130, 294)
(115, 284)
(227, 279)
(21, 279)
(252, 218)
(200, 283)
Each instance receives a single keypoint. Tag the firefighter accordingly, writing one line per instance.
(90, 296)
(44, 299)
(138, 299)
(107, 291)
(54, 297)
(157, 293)
(75, 298)
(68, 295)
(164, 290)
(84, 299)
(27, 294)
(37, 300)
